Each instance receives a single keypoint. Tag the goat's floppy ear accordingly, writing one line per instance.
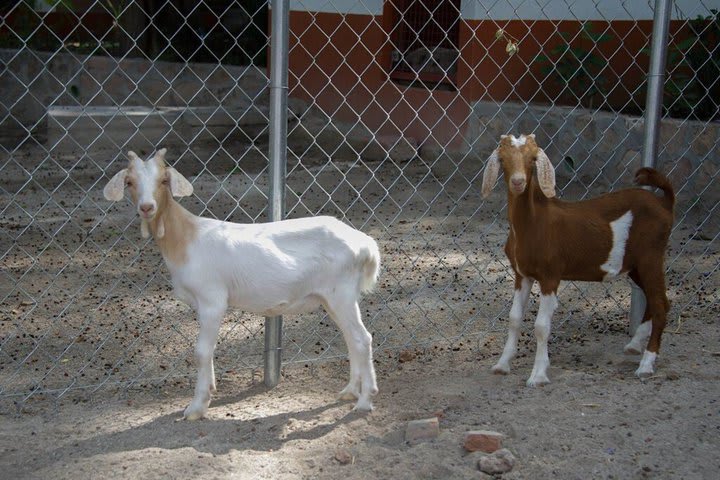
(179, 186)
(490, 175)
(545, 173)
(115, 188)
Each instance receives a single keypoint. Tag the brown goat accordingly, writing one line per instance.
(592, 240)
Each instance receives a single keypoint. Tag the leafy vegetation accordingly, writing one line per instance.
(692, 89)
(576, 66)
(215, 31)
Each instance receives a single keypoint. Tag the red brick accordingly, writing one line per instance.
(483, 441)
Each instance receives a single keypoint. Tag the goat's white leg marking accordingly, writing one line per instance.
(363, 383)
(517, 312)
(548, 304)
(639, 340)
(620, 233)
(647, 364)
(210, 317)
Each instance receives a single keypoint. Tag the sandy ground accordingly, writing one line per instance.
(96, 355)
(595, 420)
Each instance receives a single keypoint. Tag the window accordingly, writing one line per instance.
(425, 39)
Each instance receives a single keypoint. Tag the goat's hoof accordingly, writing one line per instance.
(538, 381)
(194, 413)
(347, 395)
(631, 349)
(501, 369)
(350, 392)
(363, 406)
(643, 373)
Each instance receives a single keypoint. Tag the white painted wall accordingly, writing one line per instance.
(359, 7)
(580, 9)
(528, 9)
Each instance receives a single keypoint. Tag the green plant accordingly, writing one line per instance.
(576, 66)
(692, 89)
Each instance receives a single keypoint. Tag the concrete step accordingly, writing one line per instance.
(86, 129)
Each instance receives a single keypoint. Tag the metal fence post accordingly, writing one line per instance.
(278, 156)
(653, 112)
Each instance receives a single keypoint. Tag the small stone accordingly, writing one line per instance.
(483, 441)
(343, 456)
(672, 376)
(420, 430)
(502, 461)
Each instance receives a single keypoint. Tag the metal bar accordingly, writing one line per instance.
(653, 112)
(278, 168)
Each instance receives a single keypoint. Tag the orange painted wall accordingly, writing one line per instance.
(340, 62)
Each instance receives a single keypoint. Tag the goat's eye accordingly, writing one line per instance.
(128, 183)
(166, 181)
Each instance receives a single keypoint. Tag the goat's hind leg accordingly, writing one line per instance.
(657, 308)
(363, 384)
(210, 318)
(523, 285)
(636, 345)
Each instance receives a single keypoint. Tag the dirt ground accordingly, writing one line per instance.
(595, 420)
(90, 312)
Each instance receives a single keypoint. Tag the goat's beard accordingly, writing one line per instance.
(145, 228)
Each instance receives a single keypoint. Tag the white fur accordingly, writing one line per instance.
(278, 268)
(518, 142)
(647, 365)
(517, 312)
(639, 340)
(538, 376)
(620, 233)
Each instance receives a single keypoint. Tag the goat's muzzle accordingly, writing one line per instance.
(146, 210)
(517, 184)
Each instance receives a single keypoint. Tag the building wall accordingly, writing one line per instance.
(340, 58)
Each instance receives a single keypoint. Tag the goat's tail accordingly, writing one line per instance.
(653, 178)
(370, 263)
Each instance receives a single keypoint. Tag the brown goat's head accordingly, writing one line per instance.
(517, 156)
(150, 184)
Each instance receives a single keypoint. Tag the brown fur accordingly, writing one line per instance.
(179, 229)
(552, 240)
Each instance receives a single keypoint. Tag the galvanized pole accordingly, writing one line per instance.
(278, 155)
(653, 112)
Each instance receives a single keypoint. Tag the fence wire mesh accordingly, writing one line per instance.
(394, 106)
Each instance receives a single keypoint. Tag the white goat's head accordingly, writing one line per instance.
(150, 183)
(517, 156)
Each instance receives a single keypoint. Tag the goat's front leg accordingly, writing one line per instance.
(210, 318)
(517, 312)
(548, 304)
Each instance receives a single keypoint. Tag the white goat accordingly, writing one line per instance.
(277, 268)
(593, 240)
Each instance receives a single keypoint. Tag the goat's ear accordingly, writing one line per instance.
(179, 186)
(490, 175)
(115, 188)
(545, 173)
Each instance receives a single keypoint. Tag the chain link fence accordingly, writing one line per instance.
(393, 108)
